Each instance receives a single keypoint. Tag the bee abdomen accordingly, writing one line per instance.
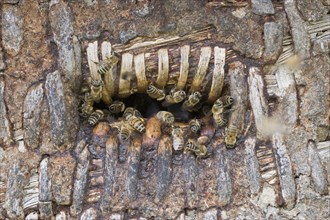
(219, 120)
(155, 93)
(227, 100)
(137, 124)
(166, 117)
(95, 117)
(195, 125)
(103, 69)
(125, 134)
(231, 134)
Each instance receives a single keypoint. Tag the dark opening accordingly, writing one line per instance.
(149, 107)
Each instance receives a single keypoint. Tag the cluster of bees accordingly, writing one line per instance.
(134, 122)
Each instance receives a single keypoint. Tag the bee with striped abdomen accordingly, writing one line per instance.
(227, 101)
(218, 107)
(192, 101)
(198, 149)
(106, 65)
(155, 93)
(231, 134)
(96, 89)
(195, 125)
(95, 117)
(87, 106)
(130, 111)
(125, 132)
(117, 107)
(217, 111)
(137, 123)
(174, 97)
(166, 117)
(134, 118)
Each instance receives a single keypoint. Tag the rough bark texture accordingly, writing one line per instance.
(54, 165)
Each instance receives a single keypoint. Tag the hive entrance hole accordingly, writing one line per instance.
(149, 107)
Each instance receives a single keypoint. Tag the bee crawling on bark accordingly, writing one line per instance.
(231, 134)
(96, 89)
(117, 107)
(174, 97)
(198, 149)
(195, 125)
(166, 117)
(155, 93)
(218, 109)
(192, 101)
(95, 117)
(134, 118)
(106, 65)
(125, 130)
(178, 140)
(87, 106)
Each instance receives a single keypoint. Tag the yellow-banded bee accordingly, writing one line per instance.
(106, 65)
(231, 134)
(117, 107)
(198, 149)
(166, 117)
(95, 117)
(174, 97)
(96, 89)
(129, 112)
(137, 123)
(195, 125)
(133, 118)
(87, 106)
(155, 93)
(227, 101)
(192, 101)
(125, 132)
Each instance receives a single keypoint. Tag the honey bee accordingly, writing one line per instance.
(87, 106)
(137, 123)
(117, 107)
(133, 118)
(178, 140)
(195, 125)
(174, 97)
(155, 93)
(106, 65)
(96, 89)
(231, 133)
(217, 110)
(166, 117)
(125, 132)
(218, 107)
(129, 112)
(95, 117)
(227, 101)
(192, 101)
(198, 149)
